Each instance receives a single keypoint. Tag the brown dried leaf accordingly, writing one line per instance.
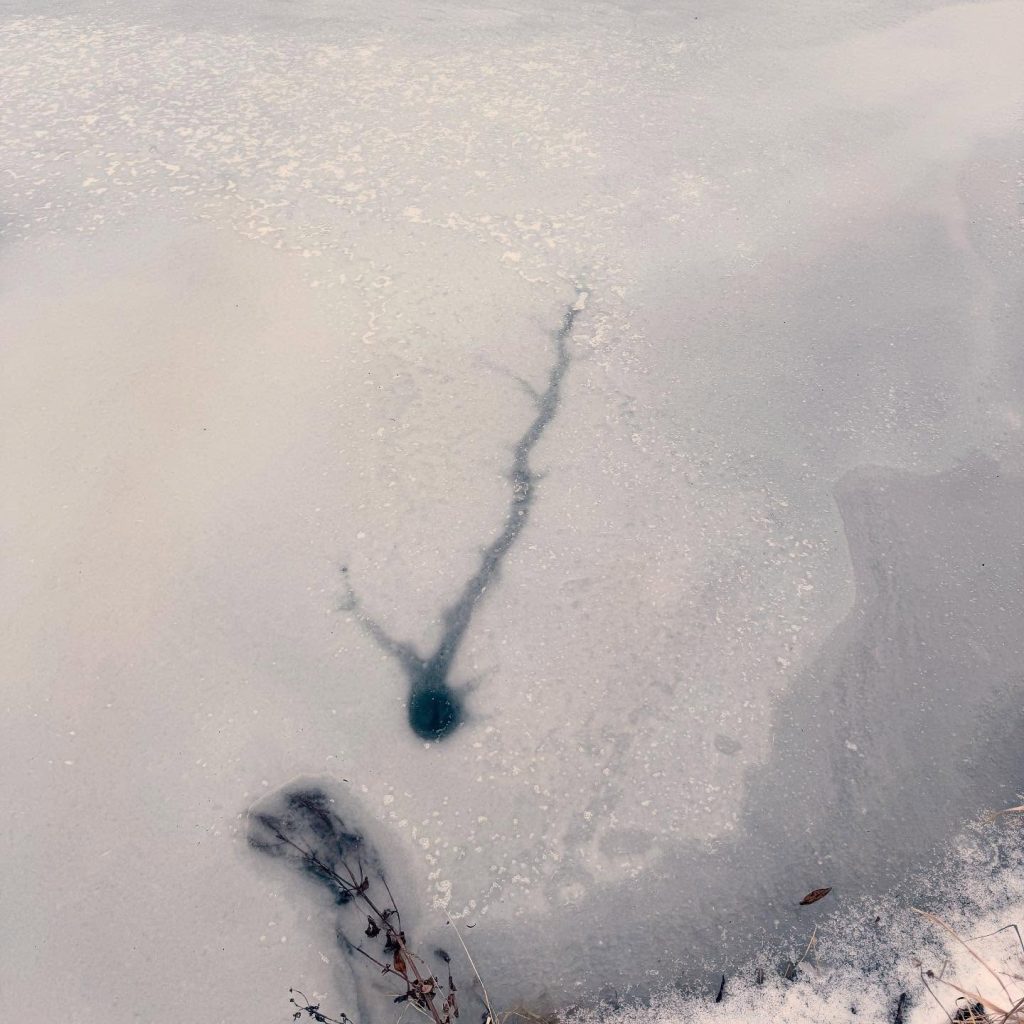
(813, 897)
(399, 962)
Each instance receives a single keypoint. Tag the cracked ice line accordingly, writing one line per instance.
(435, 708)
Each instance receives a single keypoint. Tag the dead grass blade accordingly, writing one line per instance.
(483, 988)
(996, 815)
(945, 927)
(974, 997)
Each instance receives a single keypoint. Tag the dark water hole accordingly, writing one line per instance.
(435, 712)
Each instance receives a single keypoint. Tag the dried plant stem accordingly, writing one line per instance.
(938, 922)
(310, 833)
(469, 957)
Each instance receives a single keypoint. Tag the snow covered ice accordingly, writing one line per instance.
(281, 288)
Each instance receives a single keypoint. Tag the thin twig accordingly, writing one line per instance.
(1013, 1009)
(469, 957)
(931, 992)
(942, 924)
(983, 1000)
(1006, 927)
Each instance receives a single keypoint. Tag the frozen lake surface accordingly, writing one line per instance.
(627, 396)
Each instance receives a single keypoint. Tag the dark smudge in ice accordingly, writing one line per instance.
(324, 838)
(435, 708)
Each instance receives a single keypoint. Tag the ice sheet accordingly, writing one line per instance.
(280, 290)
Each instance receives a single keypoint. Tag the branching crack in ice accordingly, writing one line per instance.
(435, 708)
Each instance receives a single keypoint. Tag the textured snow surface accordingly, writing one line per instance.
(883, 962)
(281, 288)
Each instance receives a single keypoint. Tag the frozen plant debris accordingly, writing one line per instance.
(300, 825)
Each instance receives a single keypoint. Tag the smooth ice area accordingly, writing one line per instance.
(283, 294)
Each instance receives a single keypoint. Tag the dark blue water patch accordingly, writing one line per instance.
(435, 713)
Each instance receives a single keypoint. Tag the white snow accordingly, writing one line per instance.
(875, 961)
